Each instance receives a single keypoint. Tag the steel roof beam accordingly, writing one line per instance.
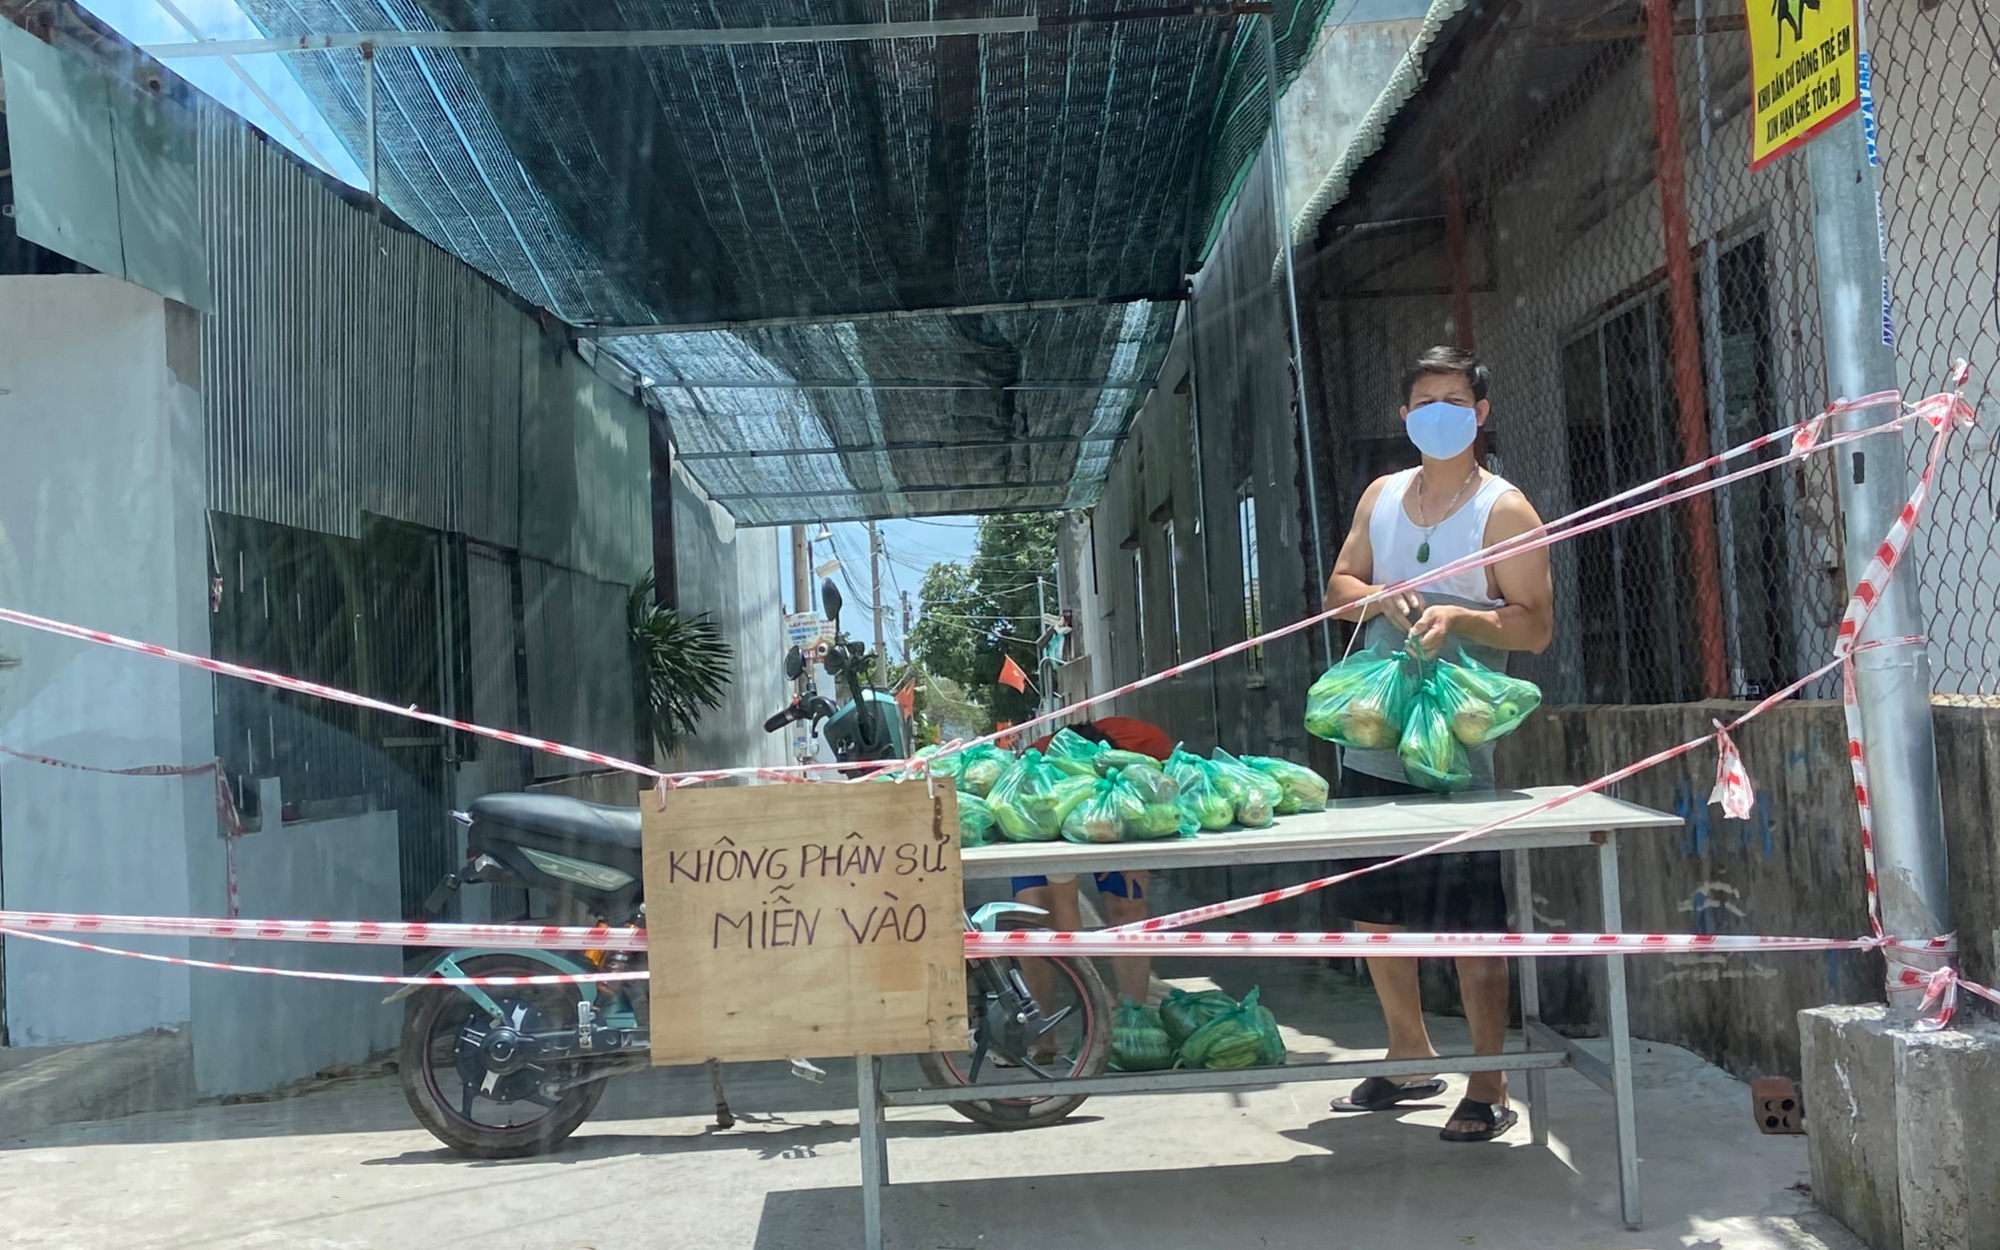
(889, 491)
(755, 453)
(874, 384)
(882, 314)
(704, 37)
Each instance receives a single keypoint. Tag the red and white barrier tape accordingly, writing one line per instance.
(1230, 907)
(309, 974)
(1805, 439)
(225, 801)
(1943, 413)
(335, 932)
(1336, 945)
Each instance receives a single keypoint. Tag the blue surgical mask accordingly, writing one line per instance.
(1442, 430)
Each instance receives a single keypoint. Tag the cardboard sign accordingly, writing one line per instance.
(1804, 72)
(808, 921)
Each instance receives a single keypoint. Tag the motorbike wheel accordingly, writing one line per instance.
(1082, 1045)
(454, 1091)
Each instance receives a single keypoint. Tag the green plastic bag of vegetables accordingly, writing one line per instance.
(1023, 801)
(1246, 1037)
(1138, 1043)
(1107, 815)
(1073, 753)
(1432, 758)
(1305, 790)
(1254, 795)
(975, 819)
(980, 767)
(1161, 817)
(1363, 701)
(1152, 782)
(1182, 1013)
(1481, 704)
(1200, 800)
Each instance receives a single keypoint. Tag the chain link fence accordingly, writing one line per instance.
(1517, 208)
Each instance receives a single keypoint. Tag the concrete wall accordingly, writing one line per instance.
(101, 510)
(732, 574)
(257, 1033)
(1794, 868)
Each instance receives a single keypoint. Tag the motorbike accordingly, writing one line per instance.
(504, 1072)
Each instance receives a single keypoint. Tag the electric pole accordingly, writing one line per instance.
(875, 575)
(906, 625)
(1893, 682)
(801, 571)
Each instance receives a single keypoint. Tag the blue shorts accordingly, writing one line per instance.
(1107, 883)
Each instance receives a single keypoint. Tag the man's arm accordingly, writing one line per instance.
(1526, 619)
(1355, 566)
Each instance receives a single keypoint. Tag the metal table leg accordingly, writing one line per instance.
(874, 1148)
(1531, 999)
(1621, 1035)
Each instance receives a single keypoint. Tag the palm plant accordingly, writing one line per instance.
(681, 667)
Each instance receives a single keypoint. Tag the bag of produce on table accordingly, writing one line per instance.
(1107, 814)
(1024, 801)
(1254, 795)
(1433, 758)
(1138, 1043)
(1182, 1013)
(980, 768)
(1112, 757)
(1074, 754)
(1243, 1037)
(1480, 704)
(1200, 798)
(1305, 790)
(975, 820)
(1363, 701)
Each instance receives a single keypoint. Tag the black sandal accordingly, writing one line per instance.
(1379, 1093)
(1496, 1118)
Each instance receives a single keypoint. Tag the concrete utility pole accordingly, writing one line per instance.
(907, 624)
(801, 571)
(1873, 481)
(875, 593)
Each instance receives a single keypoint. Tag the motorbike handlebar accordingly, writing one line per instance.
(784, 718)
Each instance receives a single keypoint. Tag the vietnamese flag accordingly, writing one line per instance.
(906, 697)
(1011, 675)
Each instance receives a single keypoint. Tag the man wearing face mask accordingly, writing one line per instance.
(1406, 524)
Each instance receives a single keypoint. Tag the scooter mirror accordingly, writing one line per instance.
(795, 664)
(829, 599)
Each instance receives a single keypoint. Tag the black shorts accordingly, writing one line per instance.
(1448, 893)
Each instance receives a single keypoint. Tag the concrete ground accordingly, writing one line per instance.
(344, 1165)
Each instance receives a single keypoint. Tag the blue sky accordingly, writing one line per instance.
(910, 548)
(149, 21)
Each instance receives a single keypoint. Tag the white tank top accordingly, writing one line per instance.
(1394, 539)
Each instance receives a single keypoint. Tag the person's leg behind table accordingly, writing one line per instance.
(1123, 897)
(1057, 897)
(1472, 899)
(1382, 902)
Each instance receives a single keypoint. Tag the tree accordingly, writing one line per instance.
(976, 615)
(680, 670)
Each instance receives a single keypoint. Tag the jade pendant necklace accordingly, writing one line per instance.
(1424, 547)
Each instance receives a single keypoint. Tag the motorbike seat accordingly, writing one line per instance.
(556, 816)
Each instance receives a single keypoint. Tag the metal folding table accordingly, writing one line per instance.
(1349, 829)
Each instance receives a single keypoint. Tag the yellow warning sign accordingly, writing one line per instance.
(1803, 67)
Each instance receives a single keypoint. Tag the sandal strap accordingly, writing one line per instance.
(1485, 1112)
